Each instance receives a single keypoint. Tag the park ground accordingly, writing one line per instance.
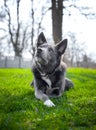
(20, 110)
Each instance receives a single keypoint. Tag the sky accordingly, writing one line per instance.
(84, 28)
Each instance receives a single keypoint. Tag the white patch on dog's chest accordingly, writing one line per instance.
(47, 80)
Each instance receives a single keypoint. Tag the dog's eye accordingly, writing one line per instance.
(50, 49)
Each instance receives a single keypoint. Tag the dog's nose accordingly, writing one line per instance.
(39, 50)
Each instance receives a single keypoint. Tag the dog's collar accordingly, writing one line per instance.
(47, 74)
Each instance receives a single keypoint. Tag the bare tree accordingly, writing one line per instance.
(36, 22)
(44, 10)
(32, 17)
(17, 39)
(85, 61)
(58, 10)
(88, 62)
(75, 50)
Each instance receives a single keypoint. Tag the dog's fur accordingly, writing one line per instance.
(49, 70)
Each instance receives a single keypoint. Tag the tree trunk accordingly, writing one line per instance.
(57, 14)
(18, 52)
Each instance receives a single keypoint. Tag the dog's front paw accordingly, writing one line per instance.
(49, 103)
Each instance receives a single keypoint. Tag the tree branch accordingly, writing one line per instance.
(32, 30)
(42, 17)
(18, 23)
(24, 37)
(9, 21)
(82, 10)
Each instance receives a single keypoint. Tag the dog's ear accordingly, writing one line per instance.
(61, 46)
(41, 39)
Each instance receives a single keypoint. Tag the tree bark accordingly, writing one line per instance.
(57, 13)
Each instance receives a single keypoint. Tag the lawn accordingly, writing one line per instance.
(20, 110)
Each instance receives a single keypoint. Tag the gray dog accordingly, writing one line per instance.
(49, 70)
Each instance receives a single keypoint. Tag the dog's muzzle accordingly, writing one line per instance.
(39, 51)
(40, 57)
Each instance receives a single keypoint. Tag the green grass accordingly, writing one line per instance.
(20, 110)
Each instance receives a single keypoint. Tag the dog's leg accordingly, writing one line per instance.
(68, 84)
(40, 95)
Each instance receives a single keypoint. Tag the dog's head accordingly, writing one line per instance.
(48, 56)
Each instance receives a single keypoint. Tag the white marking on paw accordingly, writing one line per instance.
(49, 103)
